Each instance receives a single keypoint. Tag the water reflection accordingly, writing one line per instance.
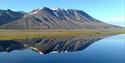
(51, 45)
(10, 45)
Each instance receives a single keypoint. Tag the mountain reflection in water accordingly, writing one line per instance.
(49, 45)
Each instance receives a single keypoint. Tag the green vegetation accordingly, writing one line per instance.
(10, 35)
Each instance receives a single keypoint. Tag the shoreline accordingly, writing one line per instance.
(22, 34)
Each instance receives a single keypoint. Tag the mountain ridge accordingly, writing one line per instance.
(48, 18)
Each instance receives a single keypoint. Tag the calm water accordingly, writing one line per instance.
(79, 49)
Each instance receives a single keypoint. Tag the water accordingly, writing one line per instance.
(78, 49)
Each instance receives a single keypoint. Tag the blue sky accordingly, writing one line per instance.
(109, 11)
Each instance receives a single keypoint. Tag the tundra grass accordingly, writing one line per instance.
(11, 35)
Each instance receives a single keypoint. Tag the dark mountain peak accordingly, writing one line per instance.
(41, 10)
(46, 8)
(9, 10)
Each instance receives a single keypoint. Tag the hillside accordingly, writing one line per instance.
(47, 18)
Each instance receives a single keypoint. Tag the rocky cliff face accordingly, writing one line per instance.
(46, 18)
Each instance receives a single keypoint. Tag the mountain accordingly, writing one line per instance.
(46, 18)
(7, 16)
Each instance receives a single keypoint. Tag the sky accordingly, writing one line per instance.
(109, 11)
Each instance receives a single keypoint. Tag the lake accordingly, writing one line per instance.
(75, 49)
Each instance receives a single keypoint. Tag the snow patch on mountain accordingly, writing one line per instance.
(55, 8)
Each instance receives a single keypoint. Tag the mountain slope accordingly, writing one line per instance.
(46, 18)
(8, 16)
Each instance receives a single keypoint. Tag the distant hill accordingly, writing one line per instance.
(7, 16)
(46, 18)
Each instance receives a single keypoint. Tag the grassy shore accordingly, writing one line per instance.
(18, 34)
